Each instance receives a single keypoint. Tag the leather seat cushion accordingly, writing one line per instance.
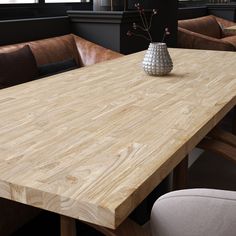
(230, 39)
(57, 67)
(206, 25)
(17, 67)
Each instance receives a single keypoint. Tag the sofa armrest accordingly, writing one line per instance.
(224, 24)
(189, 39)
(91, 53)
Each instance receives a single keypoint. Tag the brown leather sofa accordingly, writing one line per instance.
(47, 52)
(206, 33)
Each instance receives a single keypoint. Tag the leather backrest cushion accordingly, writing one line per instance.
(57, 67)
(54, 49)
(49, 50)
(91, 53)
(17, 67)
(206, 25)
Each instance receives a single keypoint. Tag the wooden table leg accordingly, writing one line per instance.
(180, 175)
(68, 226)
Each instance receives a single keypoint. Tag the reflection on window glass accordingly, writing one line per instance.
(17, 1)
(65, 1)
(204, 1)
(193, 2)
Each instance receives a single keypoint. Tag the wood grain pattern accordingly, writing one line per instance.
(92, 143)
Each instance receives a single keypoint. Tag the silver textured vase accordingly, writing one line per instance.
(157, 60)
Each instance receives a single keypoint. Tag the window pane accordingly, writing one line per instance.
(190, 3)
(65, 1)
(17, 1)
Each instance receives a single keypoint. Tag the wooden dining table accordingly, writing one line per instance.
(91, 144)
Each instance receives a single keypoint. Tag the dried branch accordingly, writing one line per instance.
(146, 25)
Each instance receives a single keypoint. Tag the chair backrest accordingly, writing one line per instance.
(206, 25)
(195, 212)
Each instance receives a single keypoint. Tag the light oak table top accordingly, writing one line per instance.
(230, 30)
(92, 143)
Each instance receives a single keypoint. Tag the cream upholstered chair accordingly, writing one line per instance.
(195, 212)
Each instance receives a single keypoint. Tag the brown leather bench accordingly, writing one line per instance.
(206, 33)
(19, 63)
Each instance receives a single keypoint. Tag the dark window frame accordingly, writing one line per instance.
(40, 9)
(40, 3)
(192, 3)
